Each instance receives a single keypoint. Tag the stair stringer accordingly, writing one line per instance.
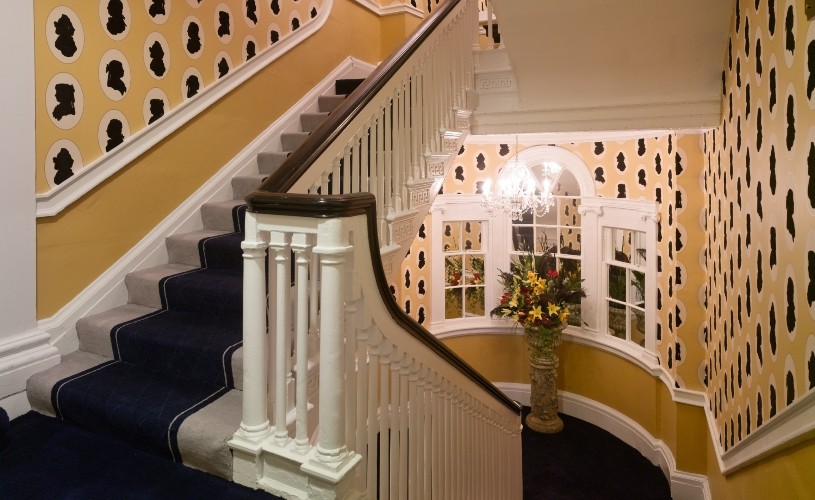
(109, 291)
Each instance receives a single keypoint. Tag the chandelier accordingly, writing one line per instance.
(517, 191)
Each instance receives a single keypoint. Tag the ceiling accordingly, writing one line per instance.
(610, 65)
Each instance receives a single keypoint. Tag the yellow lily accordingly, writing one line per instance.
(536, 313)
(553, 309)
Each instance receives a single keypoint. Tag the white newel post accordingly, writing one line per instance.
(246, 443)
(331, 459)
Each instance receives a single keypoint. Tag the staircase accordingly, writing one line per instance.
(164, 371)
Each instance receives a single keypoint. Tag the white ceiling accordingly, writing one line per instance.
(611, 64)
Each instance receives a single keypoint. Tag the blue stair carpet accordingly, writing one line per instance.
(170, 363)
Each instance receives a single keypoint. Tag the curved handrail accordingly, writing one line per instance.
(299, 162)
(346, 205)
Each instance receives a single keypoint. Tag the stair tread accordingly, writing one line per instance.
(106, 399)
(94, 331)
(218, 215)
(183, 248)
(142, 285)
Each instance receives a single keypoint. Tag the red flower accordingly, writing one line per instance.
(551, 273)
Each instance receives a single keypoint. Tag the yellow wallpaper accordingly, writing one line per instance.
(107, 69)
(759, 184)
(76, 246)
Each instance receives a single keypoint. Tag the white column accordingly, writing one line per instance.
(300, 245)
(332, 459)
(255, 423)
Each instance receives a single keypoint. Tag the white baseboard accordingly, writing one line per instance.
(20, 357)
(109, 291)
(684, 485)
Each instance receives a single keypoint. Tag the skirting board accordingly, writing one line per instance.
(20, 357)
(109, 290)
(684, 485)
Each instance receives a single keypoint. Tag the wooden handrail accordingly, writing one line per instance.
(301, 160)
(346, 205)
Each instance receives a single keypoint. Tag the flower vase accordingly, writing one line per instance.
(543, 363)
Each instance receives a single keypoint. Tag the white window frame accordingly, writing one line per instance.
(597, 214)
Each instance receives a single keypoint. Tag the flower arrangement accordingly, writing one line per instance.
(536, 295)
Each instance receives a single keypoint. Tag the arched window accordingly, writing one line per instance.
(607, 241)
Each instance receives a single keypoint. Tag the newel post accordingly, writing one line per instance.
(331, 459)
(254, 428)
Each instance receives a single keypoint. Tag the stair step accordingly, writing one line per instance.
(105, 399)
(310, 121)
(269, 162)
(94, 331)
(329, 103)
(183, 248)
(142, 285)
(345, 86)
(242, 185)
(292, 140)
(219, 216)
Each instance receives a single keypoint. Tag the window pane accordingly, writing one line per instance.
(617, 283)
(638, 281)
(637, 326)
(452, 235)
(547, 240)
(570, 241)
(616, 320)
(570, 266)
(454, 271)
(474, 301)
(472, 235)
(622, 245)
(549, 218)
(474, 270)
(522, 238)
(452, 303)
(566, 185)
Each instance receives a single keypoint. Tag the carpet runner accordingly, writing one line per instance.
(163, 372)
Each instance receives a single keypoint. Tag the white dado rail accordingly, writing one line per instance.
(400, 416)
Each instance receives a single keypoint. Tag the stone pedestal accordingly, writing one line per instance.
(543, 363)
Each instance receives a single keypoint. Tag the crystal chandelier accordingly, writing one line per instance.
(517, 191)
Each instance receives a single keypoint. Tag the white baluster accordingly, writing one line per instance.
(395, 411)
(300, 245)
(384, 420)
(279, 245)
(404, 374)
(374, 425)
(415, 437)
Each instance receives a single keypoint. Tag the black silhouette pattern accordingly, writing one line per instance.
(295, 24)
(157, 8)
(274, 36)
(313, 12)
(503, 150)
(65, 96)
(480, 162)
(116, 23)
(193, 84)
(598, 148)
(63, 165)
(224, 24)
(157, 59)
(251, 50)
(156, 110)
(790, 122)
(621, 162)
(115, 134)
(65, 30)
(275, 6)
(223, 67)
(193, 38)
(252, 11)
(789, 31)
(115, 73)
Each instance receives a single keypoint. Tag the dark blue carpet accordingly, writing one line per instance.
(586, 462)
(170, 363)
(46, 459)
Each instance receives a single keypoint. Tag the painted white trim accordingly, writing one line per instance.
(507, 118)
(576, 137)
(395, 8)
(58, 198)
(109, 291)
(16, 404)
(22, 356)
(789, 427)
(684, 485)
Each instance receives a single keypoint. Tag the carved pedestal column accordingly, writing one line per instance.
(543, 363)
